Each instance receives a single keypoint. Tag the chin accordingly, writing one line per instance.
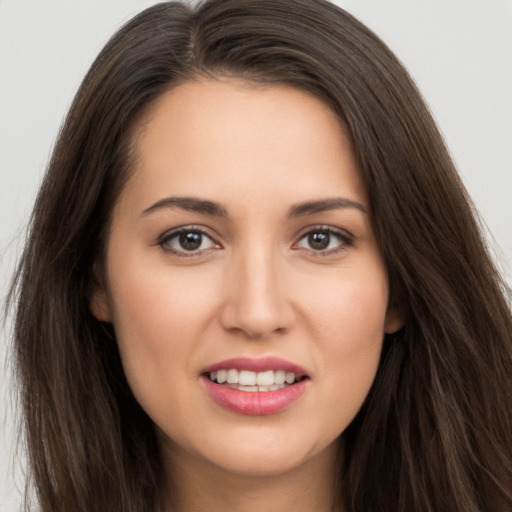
(259, 452)
(258, 464)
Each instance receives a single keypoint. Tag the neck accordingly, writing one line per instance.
(196, 485)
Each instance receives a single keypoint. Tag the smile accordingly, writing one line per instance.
(255, 386)
(249, 381)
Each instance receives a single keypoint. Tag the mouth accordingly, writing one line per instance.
(255, 386)
(251, 381)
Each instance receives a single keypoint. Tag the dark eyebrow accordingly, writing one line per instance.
(215, 209)
(190, 204)
(323, 205)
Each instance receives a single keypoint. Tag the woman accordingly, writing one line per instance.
(254, 280)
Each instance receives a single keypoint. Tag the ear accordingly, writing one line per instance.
(394, 321)
(99, 303)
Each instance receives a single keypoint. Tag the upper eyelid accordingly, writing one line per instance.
(323, 227)
(187, 227)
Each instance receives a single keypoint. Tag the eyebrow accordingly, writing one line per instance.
(214, 209)
(190, 204)
(323, 205)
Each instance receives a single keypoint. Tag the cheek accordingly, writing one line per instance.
(348, 323)
(349, 309)
(158, 316)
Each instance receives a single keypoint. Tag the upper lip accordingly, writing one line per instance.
(257, 365)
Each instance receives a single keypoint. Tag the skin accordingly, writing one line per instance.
(256, 288)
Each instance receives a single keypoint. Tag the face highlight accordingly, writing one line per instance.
(245, 286)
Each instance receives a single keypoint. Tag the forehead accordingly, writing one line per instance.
(224, 138)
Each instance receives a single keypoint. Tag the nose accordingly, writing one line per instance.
(256, 301)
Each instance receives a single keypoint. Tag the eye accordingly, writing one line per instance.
(186, 242)
(324, 241)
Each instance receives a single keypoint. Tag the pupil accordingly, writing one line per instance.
(319, 240)
(190, 241)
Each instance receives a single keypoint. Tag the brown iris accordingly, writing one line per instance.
(191, 240)
(319, 240)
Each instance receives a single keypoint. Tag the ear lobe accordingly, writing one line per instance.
(99, 303)
(394, 321)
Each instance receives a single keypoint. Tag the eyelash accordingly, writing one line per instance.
(345, 241)
(166, 238)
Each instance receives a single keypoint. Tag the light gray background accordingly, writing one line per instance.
(458, 51)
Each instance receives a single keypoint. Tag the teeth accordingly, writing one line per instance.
(279, 376)
(266, 378)
(274, 387)
(246, 378)
(232, 377)
(253, 381)
(249, 388)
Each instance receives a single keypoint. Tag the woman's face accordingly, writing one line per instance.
(241, 255)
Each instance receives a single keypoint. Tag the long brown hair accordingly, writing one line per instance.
(435, 432)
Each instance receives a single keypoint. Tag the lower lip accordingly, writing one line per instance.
(255, 403)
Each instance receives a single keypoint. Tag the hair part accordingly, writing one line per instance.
(435, 431)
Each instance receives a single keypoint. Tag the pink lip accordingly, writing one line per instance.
(255, 403)
(257, 365)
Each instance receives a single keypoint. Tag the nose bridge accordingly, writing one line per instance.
(256, 300)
